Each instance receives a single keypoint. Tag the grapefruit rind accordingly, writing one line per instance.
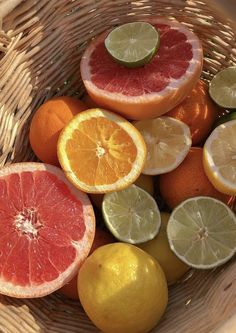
(121, 183)
(82, 247)
(153, 104)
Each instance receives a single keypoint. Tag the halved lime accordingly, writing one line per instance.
(222, 88)
(133, 44)
(131, 215)
(202, 232)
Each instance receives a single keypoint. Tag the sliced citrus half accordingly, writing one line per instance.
(168, 141)
(131, 215)
(153, 89)
(219, 157)
(133, 44)
(101, 152)
(222, 88)
(46, 231)
(202, 232)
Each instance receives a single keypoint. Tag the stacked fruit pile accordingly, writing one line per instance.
(154, 151)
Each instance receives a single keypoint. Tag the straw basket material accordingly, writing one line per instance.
(41, 43)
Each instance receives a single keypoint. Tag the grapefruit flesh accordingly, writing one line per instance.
(151, 90)
(46, 229)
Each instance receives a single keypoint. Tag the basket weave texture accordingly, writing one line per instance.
(41, 43)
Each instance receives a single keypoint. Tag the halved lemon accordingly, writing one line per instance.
(168, 141)
(202, 232)
(101, 152)
(219, 157)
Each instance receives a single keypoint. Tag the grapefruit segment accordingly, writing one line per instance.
(46, 229)
(151, 90)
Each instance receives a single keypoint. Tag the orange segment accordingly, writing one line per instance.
(101, 152)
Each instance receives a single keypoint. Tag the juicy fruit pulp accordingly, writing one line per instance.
(46, 229)
(222, 88)
(131, 215)
(168, 141)
(151, 90)
(122, 289)
(202, 232)
(133, 44)
(219, 157)
(101, 152)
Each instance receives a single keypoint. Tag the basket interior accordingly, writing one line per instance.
(41, 43)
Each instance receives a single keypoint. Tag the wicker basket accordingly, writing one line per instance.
(41, 43)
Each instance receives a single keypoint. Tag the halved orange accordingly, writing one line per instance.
(101, 152)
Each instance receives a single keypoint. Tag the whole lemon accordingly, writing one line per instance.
(122, 289)
(159, 248)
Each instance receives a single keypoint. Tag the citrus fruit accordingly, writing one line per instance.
(131, 215)
(222, 88)
(197, 111)
(220, 157)
(202, 232)
(188, 180)
(102, 237)
(122, 289)
(89, 102)
(151, 90)
(46, 231)
(159, 248)
(47, 123)
(101, 151)
(168, 141)
(143, 181)
(133, 44)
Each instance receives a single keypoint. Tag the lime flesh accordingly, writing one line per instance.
(131, 215)
(222, 88)
(133, 44)
(202, 232)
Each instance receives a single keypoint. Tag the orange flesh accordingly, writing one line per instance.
(100, 152)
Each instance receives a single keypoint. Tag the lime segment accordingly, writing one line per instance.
(131, 215)
(202, 232)
(133, 44)
(222, 88)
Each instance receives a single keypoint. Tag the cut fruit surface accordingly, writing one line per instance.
(168, 141)
(46, 229)
(219, 157)
(101, 152)
(131, 215)
(133, 44)
(151, 90)
(222, 88)
(202, 232)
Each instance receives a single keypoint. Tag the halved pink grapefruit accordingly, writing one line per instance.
(151, 90)
(47, 228)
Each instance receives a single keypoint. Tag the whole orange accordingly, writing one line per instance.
(198, 112)
(188, 180)
(47, 123)
(101, 238)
